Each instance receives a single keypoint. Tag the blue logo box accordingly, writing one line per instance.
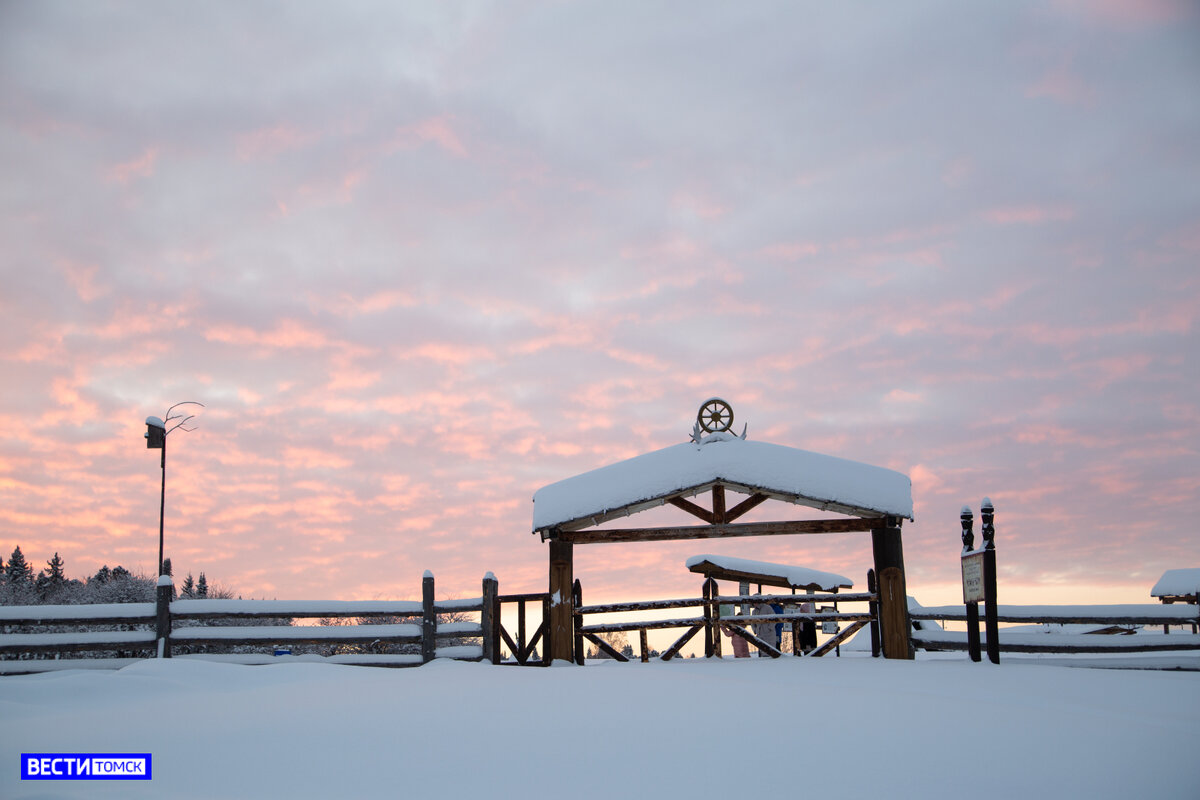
(85, 767)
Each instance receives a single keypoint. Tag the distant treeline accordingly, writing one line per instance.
(21, 586)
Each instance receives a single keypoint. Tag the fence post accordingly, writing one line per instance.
(546, 606)
(428, 620)
(163, 616)
(873, 610)
(577, 624)
(522, 654)
(708, 592)
(967, 519)
(489, 615)
(986, 515)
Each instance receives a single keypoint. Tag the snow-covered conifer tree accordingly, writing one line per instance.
(17, 571)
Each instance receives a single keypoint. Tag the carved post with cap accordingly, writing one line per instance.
(987, 514)
(971, 602)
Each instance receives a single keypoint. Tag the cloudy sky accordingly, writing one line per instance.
(419, 260)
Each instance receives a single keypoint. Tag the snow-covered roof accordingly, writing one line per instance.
(784, 574)
(1177, 583)
(782, 473)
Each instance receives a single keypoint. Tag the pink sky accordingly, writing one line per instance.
(418, 262)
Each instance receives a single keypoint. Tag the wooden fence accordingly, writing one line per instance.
(1116, 616)
(712, 623)
(152, 629)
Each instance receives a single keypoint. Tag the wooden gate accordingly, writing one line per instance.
(523, 648)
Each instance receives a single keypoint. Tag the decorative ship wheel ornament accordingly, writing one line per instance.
(715, 417)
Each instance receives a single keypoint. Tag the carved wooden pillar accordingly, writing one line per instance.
(562, 611)
(888, 549)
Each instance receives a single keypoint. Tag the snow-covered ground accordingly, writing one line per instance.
(849, 727)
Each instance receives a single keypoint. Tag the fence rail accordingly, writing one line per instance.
(158, 634)
(711, 622)
(1012, 641)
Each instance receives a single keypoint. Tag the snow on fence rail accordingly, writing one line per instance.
(155, 630)
(1017, 641)
(711, 622)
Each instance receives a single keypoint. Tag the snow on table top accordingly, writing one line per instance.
(784, 473)
(798, 577)
(1177, 582)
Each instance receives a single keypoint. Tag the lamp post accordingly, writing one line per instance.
(156, 439)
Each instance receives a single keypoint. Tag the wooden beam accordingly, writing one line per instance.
(846, 633)
(718, 504)
(753, 501)
(719, 531)
(692, 508)
(674, 649)
(744, 632)
(613, 653)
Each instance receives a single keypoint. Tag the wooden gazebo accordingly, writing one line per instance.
(1178, 586)
(714, 463)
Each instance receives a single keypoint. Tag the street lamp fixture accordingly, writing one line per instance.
(156, 439)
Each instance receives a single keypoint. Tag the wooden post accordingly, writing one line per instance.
(577, 602)
(967, 519)
(163, 616)
(521, 654)
(547, 661)
(718, 504)
(645, 646)
(873, 610)
(986, 515)
(708, 592)
(559, 631)
(489, 619)
(888, 550)
(428, 620)
(716, 611)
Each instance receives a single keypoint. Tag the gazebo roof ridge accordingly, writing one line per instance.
(690, 468)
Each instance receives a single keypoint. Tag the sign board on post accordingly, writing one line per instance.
(972, 577)
(828, 625)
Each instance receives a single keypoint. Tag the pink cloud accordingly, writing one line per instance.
(1064, 84)
(287, 334)
(791, 251)
(698, 203)
(446, 353)
(347, 306)
(1123, 13)
(140, 167)
(902, 396)
(82, 278)
(434, 130)
(266, 143)
(1029, 215)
